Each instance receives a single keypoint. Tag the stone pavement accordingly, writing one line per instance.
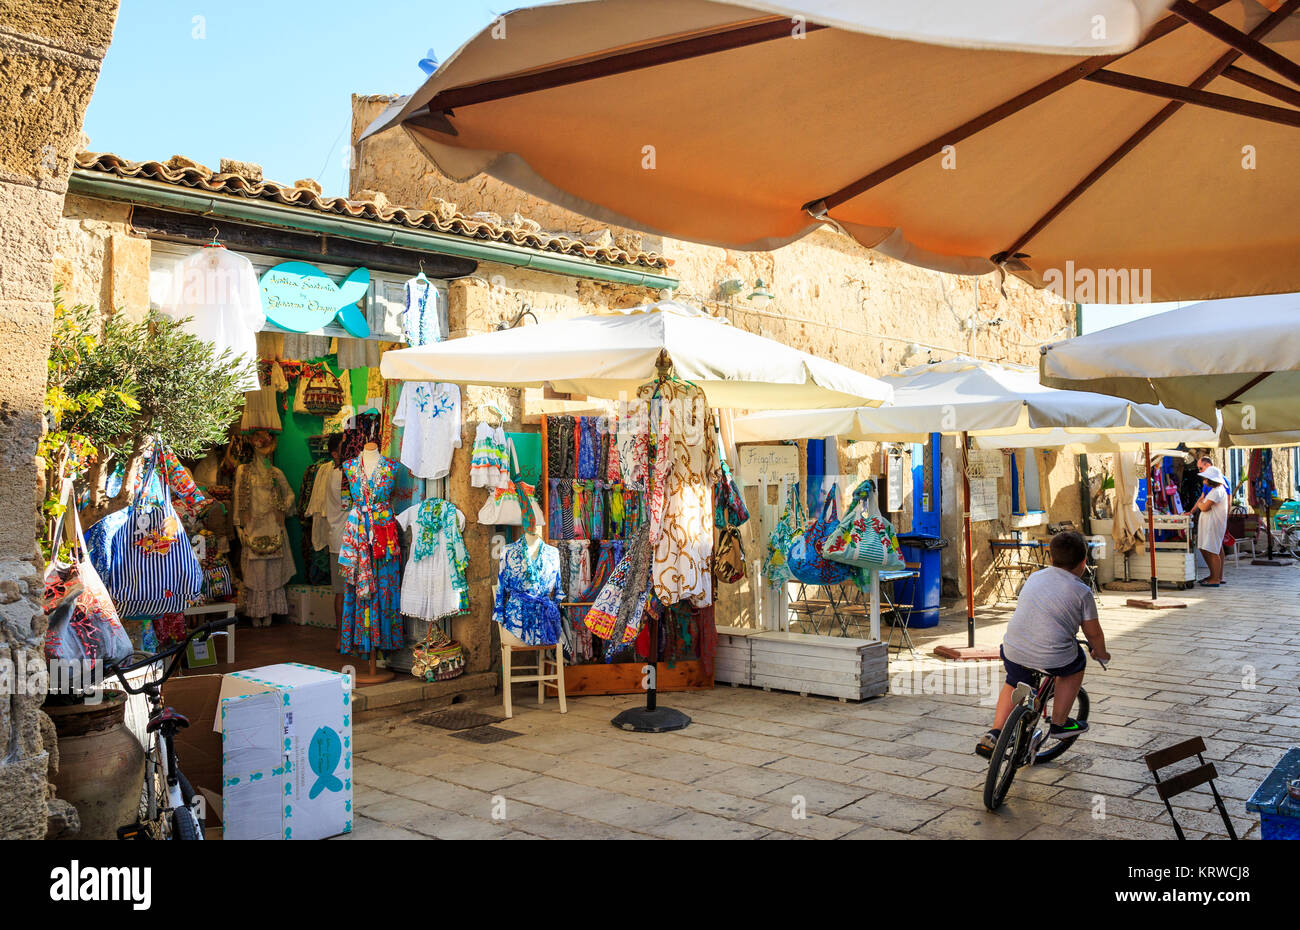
(758, 765)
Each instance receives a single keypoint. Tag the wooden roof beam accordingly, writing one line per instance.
(1248, 45)
(990, 117)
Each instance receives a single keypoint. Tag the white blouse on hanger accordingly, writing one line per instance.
(429, 414)
(218, 290)
(424, 321)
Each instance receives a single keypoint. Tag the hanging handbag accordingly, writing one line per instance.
(728, 499)
(729, 557)
(775, 567)
(505, 505)
(322, 394)
(83, 621)
(864, 538)
(807, 564)
(152, 569)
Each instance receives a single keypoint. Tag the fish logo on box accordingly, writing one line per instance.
(323, 756)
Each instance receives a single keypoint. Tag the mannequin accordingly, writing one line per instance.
(262, 500)
(369, 558)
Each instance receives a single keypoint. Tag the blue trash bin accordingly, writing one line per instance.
(922, 592)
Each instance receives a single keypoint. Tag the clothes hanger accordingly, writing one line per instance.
(215, 241)
(421, 275)
(495, 409)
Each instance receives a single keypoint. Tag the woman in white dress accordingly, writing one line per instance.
(1212, 524)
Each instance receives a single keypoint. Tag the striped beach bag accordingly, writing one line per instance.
(152, 568)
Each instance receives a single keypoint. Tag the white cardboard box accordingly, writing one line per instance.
(312, 605)
(286, 753)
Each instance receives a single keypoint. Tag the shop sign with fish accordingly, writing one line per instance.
(301, 298)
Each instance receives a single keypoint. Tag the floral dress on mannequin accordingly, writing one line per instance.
(370, 559)
(262, 500)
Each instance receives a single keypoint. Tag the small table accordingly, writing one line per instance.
(899, 614)
(1279, 813)
(223, 608)
(1013, 557)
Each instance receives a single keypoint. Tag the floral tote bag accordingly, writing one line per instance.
(804, 557)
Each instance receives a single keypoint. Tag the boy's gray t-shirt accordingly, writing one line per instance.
(1053, 604)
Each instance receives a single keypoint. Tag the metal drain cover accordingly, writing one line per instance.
(485, 735)
(457, 719)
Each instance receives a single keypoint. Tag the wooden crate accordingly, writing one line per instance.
(831, 666)
(1177, 567)
(732, 663)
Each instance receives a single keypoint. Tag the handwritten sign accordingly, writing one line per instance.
(983, 499)
(302, 299)
(894, 497)
(984, 464)
(770, 464)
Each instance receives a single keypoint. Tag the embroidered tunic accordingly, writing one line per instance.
(369, 558)
(429, 414)
(528, 594)
(434, 584)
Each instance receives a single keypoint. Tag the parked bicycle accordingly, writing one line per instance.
(1023, 736)
(169, 807)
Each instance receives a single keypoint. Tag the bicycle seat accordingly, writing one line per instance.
(167, 716)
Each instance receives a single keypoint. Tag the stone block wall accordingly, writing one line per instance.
(50, 54)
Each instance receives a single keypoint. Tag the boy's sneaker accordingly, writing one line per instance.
(1071, 727)
(988, 742)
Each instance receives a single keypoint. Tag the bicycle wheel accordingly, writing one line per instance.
(1006, 757)
(1079, 712)
(184, 827)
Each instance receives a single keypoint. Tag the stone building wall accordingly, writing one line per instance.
(833, 298)
(50, 54)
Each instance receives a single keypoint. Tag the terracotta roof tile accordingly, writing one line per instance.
(444, 218)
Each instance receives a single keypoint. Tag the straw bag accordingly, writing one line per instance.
(437, 659)
(322, 396)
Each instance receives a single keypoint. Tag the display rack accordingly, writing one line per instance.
(625, 677)
(1175, 558)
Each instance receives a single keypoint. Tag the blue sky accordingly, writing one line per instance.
(268, 82)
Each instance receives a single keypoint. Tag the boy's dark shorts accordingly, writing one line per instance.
(1017, 673)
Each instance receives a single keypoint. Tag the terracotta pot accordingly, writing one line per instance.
(101, 765)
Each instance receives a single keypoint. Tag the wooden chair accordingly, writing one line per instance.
(548, 670)
(1205, 773)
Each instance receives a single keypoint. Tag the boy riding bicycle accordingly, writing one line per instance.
(1054, 605)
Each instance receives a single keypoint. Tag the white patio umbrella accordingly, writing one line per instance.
(1003, 407)
(1237, 358)
(611, 355)
(1138, 145)
(968, 397)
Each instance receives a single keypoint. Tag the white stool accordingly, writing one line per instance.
(226, 609)
(542, 669)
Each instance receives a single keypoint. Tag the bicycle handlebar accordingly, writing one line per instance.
(1086, 646)
(174, 652)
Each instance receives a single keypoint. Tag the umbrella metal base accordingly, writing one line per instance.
(1271, 563)
(659, 720)
(1147, 603)
(967, 653)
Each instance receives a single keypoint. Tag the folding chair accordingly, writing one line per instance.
(899, 613)
(1205, 773)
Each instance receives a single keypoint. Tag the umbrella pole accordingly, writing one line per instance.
(970, 551)
(1152, 603)
(652, 718)
(1151, 525)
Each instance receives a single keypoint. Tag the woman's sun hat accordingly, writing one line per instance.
(1213, 474)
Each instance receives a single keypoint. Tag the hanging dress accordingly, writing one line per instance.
(261, 410)
(434, 584)
(370, 560)
(429, 414)
(217, 292)
(262, 500)
(490, 460)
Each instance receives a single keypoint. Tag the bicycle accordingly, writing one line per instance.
(169, 807)
(1026, 730)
